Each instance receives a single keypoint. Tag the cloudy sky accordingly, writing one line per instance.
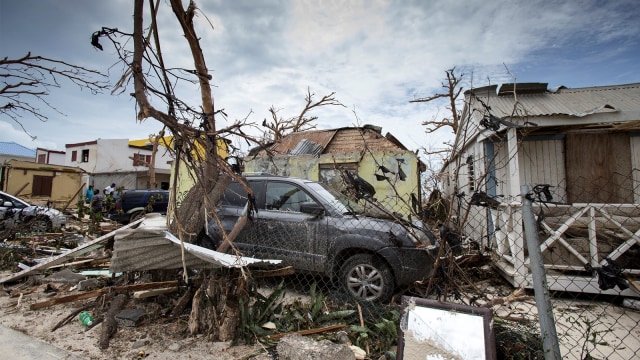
(375, 55)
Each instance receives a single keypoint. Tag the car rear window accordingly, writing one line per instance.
(234, 195)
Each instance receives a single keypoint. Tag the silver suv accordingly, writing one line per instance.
(317, 230)
(15, 211)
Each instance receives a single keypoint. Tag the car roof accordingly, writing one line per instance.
(265, 176)
(146, 190)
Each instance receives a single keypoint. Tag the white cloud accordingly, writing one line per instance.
(375, 55)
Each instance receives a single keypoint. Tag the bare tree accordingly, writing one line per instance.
(279, 127)
(28, 80)
(196, 140)
(452, 92)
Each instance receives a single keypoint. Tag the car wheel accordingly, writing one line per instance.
(41, 224)
(367, 277)
(136, 216)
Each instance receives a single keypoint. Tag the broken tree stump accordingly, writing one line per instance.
(110, 325)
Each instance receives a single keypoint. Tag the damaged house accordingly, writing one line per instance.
(41, 183)
(578, 150)
(382, 161)
(121, 161)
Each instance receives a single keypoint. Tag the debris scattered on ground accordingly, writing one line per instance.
(144, 312)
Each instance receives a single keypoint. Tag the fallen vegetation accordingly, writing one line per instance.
(268, 305)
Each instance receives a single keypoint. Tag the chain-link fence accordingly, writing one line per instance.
(590, 252)
(347, 262)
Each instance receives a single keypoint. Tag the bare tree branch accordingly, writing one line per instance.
(279, 127)
(28, 81)
(453, 91)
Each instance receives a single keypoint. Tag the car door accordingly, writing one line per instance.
(3, 211)
(231, 208)
(285, 232)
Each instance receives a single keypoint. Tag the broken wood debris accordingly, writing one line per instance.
(60, 259)
(105, 290)
(309, 331)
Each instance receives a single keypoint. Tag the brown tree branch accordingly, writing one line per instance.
(280, 127)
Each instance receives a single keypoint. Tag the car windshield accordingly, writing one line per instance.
(17, 203)
(338, 201)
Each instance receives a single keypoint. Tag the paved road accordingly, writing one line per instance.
(19, 346)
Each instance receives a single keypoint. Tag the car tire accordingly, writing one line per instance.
(367, 277)
(40, 224)
(136, 216)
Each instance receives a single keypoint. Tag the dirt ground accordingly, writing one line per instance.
(617, 328)
(152, 340)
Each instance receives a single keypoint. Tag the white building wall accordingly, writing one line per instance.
(52, 157)
(542, 162)
(113, 156)
(56, 158)
(89, 166)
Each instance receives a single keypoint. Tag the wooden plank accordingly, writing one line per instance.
(83, 249)
(309, 331)
(73, 197)
(95, 293)
(144, 294)
(592, 162)
(513, 165)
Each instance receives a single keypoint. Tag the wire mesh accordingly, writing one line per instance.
(590, 252)
(352, 266)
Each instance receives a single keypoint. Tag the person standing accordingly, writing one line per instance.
(89, 194)
(97, 202)
(110, 190)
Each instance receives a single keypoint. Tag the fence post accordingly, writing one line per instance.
(550, 343)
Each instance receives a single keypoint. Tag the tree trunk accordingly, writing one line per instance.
(190, 216)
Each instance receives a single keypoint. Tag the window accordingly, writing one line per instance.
(285, 197)
(85, 155)
(236, 195)
(330, 173)
(42, 159)
(136, 160)
(141, 159)
(42, 185)
(74, 155)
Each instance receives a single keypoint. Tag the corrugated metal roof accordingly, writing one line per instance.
(572, 102)
(341, 140)
(289, 142)
(12, 148)
(306, 147)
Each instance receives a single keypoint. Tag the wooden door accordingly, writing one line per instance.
(599, 168)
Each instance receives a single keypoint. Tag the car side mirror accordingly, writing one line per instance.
(312, 208)
(7, 204)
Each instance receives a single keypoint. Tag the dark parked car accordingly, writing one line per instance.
(15, 211)
(134, 204)
(320, 231)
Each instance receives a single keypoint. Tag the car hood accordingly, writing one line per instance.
(33, 210)
(402, 230)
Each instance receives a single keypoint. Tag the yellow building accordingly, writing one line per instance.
(42, 183)
(318, 155)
